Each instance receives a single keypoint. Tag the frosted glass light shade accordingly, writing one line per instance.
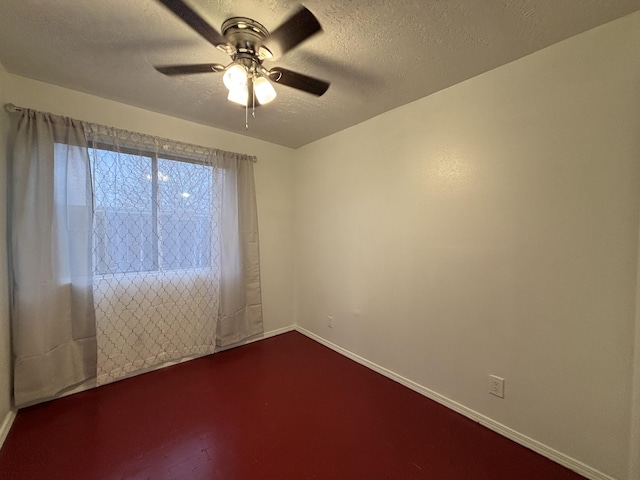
(239, 95)
(235, 77)
(264, 90)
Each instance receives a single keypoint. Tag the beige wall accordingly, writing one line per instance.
(492, 228)
(634, 450)
(5, 350)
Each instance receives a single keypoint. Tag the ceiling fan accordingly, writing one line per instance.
(249, 43)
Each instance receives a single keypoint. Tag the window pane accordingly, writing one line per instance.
(184, 204)
(124, 239)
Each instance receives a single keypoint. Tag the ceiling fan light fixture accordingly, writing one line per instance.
(239, 96)
(235, 77)
(263, 90)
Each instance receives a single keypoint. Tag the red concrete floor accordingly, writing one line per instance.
(283, 408)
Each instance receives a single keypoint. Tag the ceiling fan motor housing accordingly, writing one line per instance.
(245, 37)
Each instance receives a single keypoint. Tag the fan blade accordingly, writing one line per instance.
(190, 69)
(295, 30)
(195, 21)
(299, 81)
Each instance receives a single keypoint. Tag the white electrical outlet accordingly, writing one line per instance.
(496, 386)
(329, 321)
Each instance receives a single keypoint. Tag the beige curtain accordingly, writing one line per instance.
(240, 314)
(50, 219)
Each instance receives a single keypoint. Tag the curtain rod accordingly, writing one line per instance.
(11, 108)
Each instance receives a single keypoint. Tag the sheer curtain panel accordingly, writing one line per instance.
(156, 251)
(50, 221)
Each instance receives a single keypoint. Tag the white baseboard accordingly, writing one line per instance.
(6, 425)
(255, 338)
(538, 447)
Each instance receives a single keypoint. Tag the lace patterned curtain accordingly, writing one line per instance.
(156, 251)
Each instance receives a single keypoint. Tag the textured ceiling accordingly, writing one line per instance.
(377, 54)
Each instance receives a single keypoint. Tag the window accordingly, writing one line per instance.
(152, 212)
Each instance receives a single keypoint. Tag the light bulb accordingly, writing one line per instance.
(239, 95)
(264, 90)
(235, 77)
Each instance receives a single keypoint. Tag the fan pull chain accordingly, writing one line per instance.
(253, 108)
(253, 99)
